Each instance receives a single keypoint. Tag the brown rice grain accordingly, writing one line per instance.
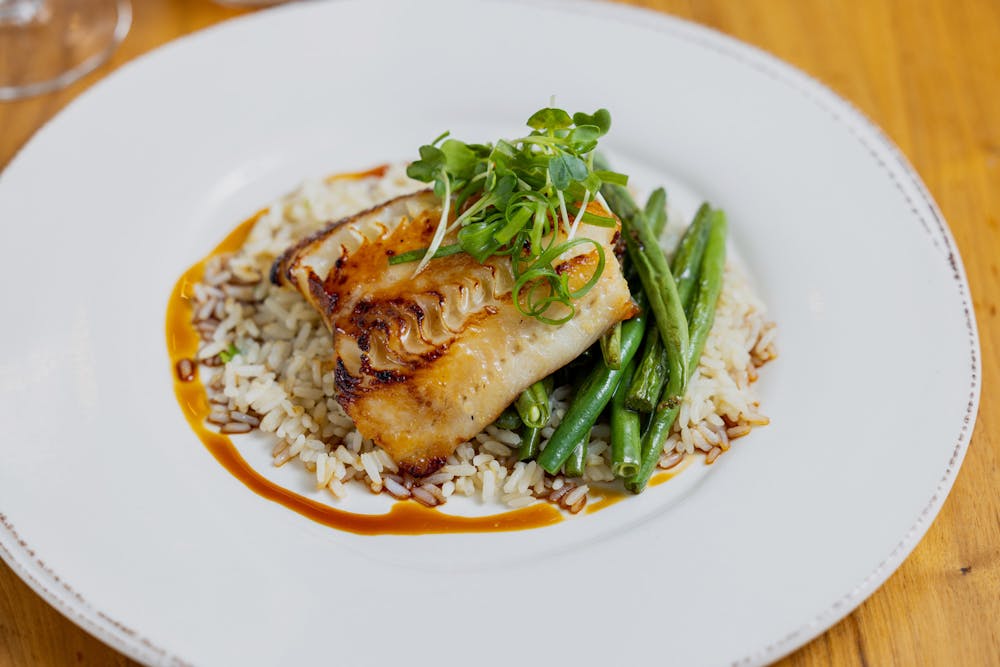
(670, 460)
(557, 494)
(435, 491)
(237, 416)
(576, 494)
(423, 497)
(738, 431)
(396, 489)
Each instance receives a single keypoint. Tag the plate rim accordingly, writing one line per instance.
(31, 569)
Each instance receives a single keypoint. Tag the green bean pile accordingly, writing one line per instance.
(677, 304)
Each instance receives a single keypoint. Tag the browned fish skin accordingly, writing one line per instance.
(426, 362)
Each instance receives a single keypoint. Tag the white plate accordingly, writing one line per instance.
(116, 514)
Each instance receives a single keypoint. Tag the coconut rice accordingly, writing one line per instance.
(266, 361)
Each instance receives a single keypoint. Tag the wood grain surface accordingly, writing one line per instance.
(928, 72)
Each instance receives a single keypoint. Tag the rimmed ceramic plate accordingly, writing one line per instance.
(113, 510)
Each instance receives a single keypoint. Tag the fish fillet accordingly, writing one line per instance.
(425, 362)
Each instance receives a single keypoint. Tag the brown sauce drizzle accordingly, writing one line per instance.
(405, 517)
(668, 474)
(610, 496)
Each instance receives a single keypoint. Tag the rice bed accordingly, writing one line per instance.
(281, 381)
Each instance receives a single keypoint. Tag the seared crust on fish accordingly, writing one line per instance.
(425, 362)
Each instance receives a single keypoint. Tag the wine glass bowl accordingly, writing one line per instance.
(48, 44)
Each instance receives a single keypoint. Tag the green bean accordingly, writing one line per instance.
(533, 405)
(592, 397)
(611, 346)
(656, 211)
(625, 432)
(656, 432)
(668, 312)
(652, 371)
(713, 267)
(710, 277)
(577, 461)
(531, 436)
(687, 258)
(644, 392)
(530, 439)
(654, 273)
(508, 419)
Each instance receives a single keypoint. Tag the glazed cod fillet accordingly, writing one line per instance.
(425, 362)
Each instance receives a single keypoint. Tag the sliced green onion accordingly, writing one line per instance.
(414, 255)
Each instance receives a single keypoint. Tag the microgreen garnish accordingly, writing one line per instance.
(519, 197)
(227, 355)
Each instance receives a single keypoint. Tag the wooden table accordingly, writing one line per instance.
(928, 72)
